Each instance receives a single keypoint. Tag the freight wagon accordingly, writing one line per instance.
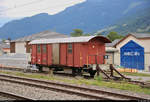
(76, 53)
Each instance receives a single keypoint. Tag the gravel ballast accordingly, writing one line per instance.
(5, 98)
(102, 88)
(37, 93)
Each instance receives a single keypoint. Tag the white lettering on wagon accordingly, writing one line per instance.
(131, 54)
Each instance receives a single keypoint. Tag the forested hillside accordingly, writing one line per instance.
(90, 16)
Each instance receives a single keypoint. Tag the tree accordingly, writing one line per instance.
(114, 35)
(88, 34)
(77, 32)
(98, 33)
(9, 39)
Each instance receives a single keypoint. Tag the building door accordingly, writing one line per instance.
(132, 56)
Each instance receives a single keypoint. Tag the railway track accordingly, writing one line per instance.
(70, 89)
(11, 68)
(142, 84)
(12, 96)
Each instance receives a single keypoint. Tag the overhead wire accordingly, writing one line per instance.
(22, 5)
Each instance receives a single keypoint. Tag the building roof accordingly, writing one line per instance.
(140, 35)
(113, 43)
(136, 35)
(69, 40)
(44, 34)
(4, 45)
(111, 49)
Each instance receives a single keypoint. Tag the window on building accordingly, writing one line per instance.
(69, 48)
(38, 48)
(44, 49)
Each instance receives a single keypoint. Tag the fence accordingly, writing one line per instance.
(14, 60)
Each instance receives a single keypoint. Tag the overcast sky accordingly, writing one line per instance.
(13, 9)
(24, 8)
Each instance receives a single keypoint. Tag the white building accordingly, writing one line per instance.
(21, 45)
(133, 51)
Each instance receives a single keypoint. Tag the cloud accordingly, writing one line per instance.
(24, 8)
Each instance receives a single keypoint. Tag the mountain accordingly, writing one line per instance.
(89, 16)
(137, 22)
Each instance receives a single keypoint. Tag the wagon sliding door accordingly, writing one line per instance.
(55, 54)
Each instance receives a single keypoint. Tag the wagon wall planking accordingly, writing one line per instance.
(63, 54)
(44, 54)
(70, 53)
(39, 54)
(33, 54)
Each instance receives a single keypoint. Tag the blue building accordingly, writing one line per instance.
(133, 52)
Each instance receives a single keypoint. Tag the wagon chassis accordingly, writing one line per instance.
(75, 70)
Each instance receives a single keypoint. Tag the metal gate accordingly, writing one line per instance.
(132, 56)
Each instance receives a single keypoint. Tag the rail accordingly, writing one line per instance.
(14, 96)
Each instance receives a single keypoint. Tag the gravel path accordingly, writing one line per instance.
(126, 92)
(139, 78)
(37, 93)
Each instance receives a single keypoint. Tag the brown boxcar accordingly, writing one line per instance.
(73, 52)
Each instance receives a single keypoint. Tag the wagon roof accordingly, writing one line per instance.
(70, 40)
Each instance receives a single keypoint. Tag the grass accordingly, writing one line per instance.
(98, 81)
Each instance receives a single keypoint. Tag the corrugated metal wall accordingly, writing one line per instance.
(132, 56)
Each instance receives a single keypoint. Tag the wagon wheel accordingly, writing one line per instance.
(74, 72)
(92, 72)
(40, 68)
